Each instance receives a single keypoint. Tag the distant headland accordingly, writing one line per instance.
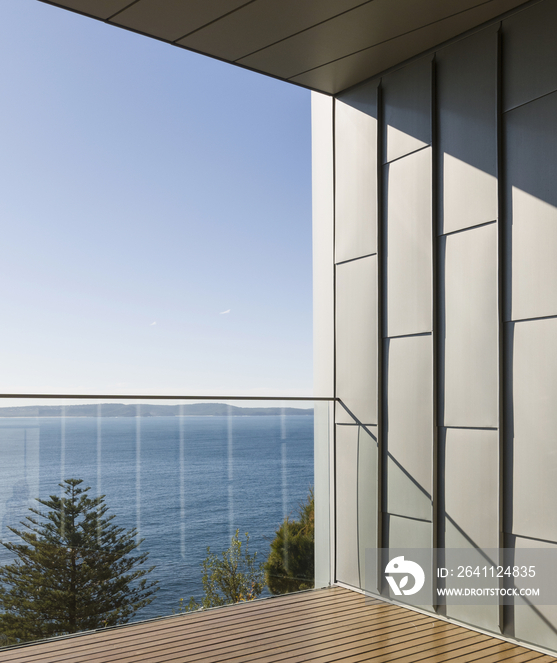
(149, 410)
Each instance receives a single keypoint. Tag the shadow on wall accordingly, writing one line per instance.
(485, 107)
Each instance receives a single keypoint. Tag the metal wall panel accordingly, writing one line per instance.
(409, 426)
(482, 616)
(535, 624)
(356, 173)
(467, 130)
(367, 497)
(534, 417)
(470, 463)
(471, 488)
(531, 204)
(356, 340)
(408, 230)
(469, 341)
(529, 54)
(408, 533)
(407, 109)
(323, 244)
(347, 563)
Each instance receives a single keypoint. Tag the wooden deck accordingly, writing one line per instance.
(325, 625)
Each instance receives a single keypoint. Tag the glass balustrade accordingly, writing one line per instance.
(186, 484)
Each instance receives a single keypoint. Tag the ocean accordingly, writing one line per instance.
(185, 483)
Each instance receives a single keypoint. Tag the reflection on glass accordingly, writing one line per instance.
(181, 476)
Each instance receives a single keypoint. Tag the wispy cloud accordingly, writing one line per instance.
(153, 323)
(224, 312)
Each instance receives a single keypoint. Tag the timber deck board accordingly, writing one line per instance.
(321, 626)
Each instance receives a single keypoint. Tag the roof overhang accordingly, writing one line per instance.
(325, 45)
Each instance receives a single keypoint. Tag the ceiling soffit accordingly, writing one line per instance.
(325, 45)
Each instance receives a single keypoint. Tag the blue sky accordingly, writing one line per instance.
(156, 216)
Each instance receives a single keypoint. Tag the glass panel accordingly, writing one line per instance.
(177, 478)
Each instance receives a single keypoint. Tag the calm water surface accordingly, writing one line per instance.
(184, 482)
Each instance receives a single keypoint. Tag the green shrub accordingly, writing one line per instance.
(290, 566)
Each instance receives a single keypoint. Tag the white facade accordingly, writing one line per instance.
(444, 237)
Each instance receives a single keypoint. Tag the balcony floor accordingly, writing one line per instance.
(323, 625)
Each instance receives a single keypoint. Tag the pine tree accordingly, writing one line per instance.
(74, 571)
(290, 566)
